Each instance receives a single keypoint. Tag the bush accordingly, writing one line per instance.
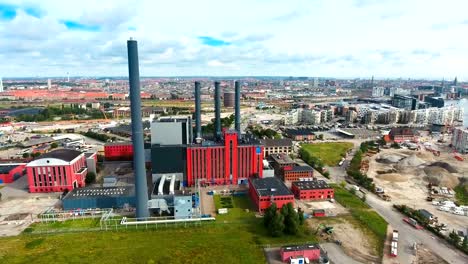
(90, 177)
(53, 145)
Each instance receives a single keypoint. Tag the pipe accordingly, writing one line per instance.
(141, 187)
(237, 109)
(172, 184)
(198, 130)
(217, 133)
(161, 185)
(124, 221)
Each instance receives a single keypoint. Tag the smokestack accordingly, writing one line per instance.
(237, 108)
(198, 131)
(217, 133)
(141, 187)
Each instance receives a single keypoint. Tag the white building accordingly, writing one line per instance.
(49, 84)
(1, 85)
(311, 117)
(378, 91)
(293, 117)
(460, 140)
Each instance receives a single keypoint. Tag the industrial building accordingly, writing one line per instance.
(309, 251)
(279, 162)
(99, 197)
(122, 151)
(11, 172)
(267, 191)
(300, 134)
(276, 146)
(58, 170)
(312, 190)
(229, 158)
(296, 173)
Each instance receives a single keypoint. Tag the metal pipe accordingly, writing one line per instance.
(217, 133)
(237, 108)
(141, 187)
(198, 130)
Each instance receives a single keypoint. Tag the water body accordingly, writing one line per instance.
(463, 103)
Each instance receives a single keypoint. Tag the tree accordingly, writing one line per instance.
(454, 238)
(276, 226)
(53, 145)
(26, 155)
(90, 177)
(300, 215)
(269, 214)
(343, 184)
(320, 136)
(291, 219)
(35, 154)
(464, 243)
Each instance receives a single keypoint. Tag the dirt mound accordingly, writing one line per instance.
(440, 176)
(389, 158)
(392, 177)
(412, 161)
(445, 166)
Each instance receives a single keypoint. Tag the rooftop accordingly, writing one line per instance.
(270, 187)
(62, 154)
(281, 159)
(283, 142)
(402, 131)
(299, 247)
(300, 131)
(126, 143)
(6, 168)
(301, 168)
(311, 185)
(37, 141)
(100, 192)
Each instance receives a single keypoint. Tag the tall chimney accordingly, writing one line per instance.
(198, 131)
(217, 133)
(141, 187)
(237, 108)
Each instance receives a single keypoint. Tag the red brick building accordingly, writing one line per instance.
(266, 191)
(10, 172)
(310, 251)
(296, 173)
(57, 171)
(312, 190)
(118, 151)
(401, 134)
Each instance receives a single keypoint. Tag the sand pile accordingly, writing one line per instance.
(440, 176)
(389, 158)
(412, 161)
(445, 166)
(392, 177)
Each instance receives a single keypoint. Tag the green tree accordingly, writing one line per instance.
(291, 219)
(465, 242)
(320, 136)
(269, 214)
(300, 215)
(454, 238)
(53, 145)
(343, 184)
(35, 154)
(276, 226)
(26, 155)
(90, 177)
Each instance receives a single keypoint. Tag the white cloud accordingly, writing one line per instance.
(347, 38)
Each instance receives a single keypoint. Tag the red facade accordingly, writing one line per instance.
(11, 175)
(312, 194)
(56, 176)
(263, 202)
(118, 151)
(224, 164)
(290, 174)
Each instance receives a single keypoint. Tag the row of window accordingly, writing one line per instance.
(266, 199)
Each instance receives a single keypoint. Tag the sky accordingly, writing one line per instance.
(329, 38)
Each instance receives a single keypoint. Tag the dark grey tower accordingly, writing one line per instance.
(141, 187)
(217, 133)
(237, 108)
(198, 132)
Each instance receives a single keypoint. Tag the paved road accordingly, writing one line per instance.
(336, 254)
(408, 235)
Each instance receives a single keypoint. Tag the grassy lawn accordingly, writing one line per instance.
(329, 152)
(461, 194)
(64, 225)
(237, 237)
(362, 212)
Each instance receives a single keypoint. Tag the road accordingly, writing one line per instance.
(408, 235)
(336, 254)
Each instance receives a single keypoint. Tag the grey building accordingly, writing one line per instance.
(172, 131)
(403, 102)
(276, 146)
(99, 197)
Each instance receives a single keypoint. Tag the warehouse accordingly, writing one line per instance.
(11, 172)
(100, 197)
(266, 191)
(312, 190)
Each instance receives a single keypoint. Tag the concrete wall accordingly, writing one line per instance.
(166, 133)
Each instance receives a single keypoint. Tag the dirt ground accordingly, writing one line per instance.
(331, 209)
(356, 242)
(407, 184)
(425, 256)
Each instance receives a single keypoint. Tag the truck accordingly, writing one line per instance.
(394, 245)
(384, 197)
(413, 223)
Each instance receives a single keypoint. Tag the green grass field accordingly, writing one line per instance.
(329, 152)
(362, 212)
(461, 194)
(237, 237)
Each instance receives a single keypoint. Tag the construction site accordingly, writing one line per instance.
(422, 177)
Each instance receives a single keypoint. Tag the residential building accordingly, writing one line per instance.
(264, 192)
(276, 146)
(401, 134)
(460, 140)
(403, 102)
(378, 91)
(312, 190)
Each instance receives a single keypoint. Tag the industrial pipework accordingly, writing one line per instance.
(217, 134)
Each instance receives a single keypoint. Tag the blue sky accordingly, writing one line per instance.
(335, 38)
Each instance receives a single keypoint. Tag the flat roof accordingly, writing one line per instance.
(300, 247)
(37, 141)
(6, 168)
(100, 192)
(301, 168)
(311, 185)
(126, 143)
(62, 154)
(283, 142)
(281, 158)
(270, 187)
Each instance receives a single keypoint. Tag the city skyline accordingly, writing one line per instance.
(387, 39)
